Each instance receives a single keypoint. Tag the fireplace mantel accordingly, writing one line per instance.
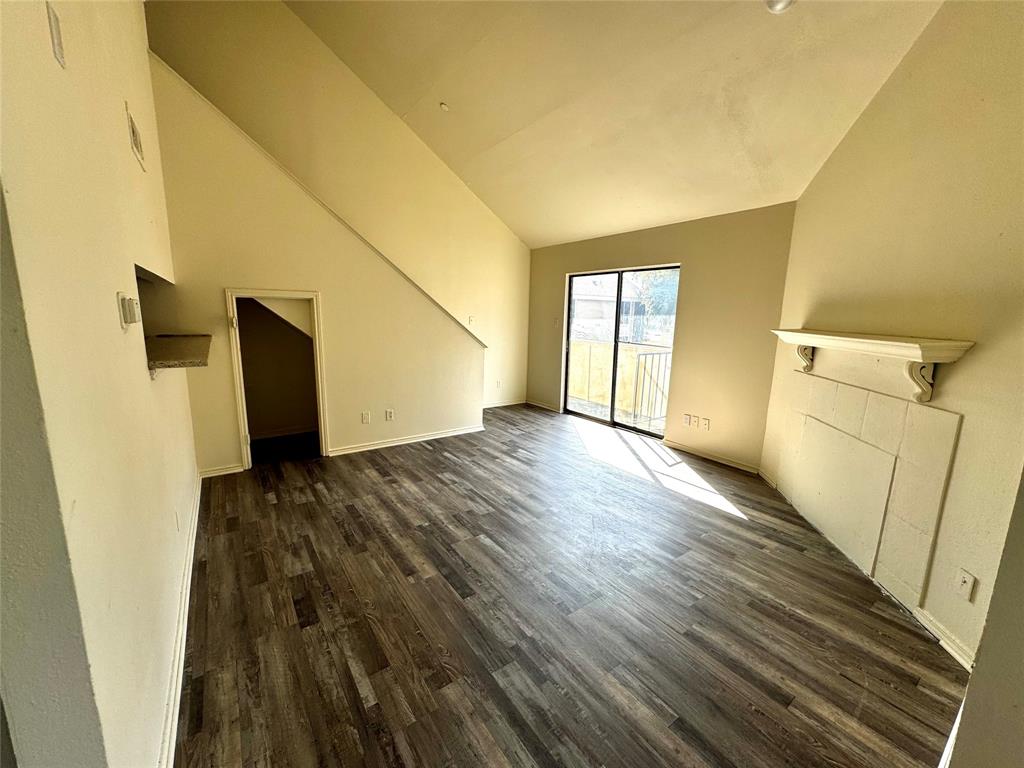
(919, 355)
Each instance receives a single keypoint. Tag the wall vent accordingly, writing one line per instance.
(56, 39)
(135, 138)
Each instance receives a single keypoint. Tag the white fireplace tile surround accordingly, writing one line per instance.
(883, 422)
(850, 507)
(869, 471)
(850, 405)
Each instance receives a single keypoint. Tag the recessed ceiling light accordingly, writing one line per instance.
(778, 6)
(443, 106)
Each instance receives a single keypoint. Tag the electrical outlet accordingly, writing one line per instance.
(497, 384)
(694, 420)
(965, 585)
(389, 414)
(366, 417)
(686, 419)
(705, 425)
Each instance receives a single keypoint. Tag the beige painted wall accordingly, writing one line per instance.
(238, 221)
(82, 213)
(991, 729)
(44, 663)
(273, 77)
(730, 294)
(915, 226)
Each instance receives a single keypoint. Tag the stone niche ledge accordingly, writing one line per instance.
(178, 350)
(917, 356)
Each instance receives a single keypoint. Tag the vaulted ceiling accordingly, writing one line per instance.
(573, 120)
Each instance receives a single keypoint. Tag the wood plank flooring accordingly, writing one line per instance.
(549, 592)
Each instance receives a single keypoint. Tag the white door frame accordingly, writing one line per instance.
(232, 294)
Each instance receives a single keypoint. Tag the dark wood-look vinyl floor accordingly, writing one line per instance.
(547, 592)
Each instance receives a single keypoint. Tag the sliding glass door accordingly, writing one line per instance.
(619, 350)
(647, 321)
(588, 380)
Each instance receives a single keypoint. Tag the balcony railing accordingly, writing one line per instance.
(641, 390)
(650, 391)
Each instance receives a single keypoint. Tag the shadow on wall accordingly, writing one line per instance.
(44, 664)
(279, 372)
(7, 759)
(927, 315)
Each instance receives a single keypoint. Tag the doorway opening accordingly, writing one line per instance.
(275, 345)
(619, 346)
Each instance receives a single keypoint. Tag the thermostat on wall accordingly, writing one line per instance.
(129, 309)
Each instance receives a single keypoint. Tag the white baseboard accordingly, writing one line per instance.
(956, 649)
(216, 471)
(170, 729)
(503, 403)
(768, 479)
(712, 457)
(545, 406)
(404, 440)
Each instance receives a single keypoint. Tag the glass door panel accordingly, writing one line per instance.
(647, 320)
(591, 344)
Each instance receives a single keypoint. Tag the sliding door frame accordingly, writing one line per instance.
(610, 421)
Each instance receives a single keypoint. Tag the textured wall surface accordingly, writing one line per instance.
(914, 228)
(83, 213)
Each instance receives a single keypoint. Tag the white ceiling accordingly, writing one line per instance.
(578, 119)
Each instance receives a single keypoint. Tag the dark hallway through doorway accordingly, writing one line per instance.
(279, 374)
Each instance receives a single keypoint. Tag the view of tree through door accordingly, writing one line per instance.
(619, 350)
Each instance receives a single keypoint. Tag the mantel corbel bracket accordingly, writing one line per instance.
(917, 355)
(806, 355)
(922, 376)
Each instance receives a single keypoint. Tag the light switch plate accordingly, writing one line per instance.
(366, 417)
(129, 310)
(966, 583)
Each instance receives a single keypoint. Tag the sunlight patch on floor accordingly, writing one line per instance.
(604, 444)
(648, 459)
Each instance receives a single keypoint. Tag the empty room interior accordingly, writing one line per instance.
(611, 384)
